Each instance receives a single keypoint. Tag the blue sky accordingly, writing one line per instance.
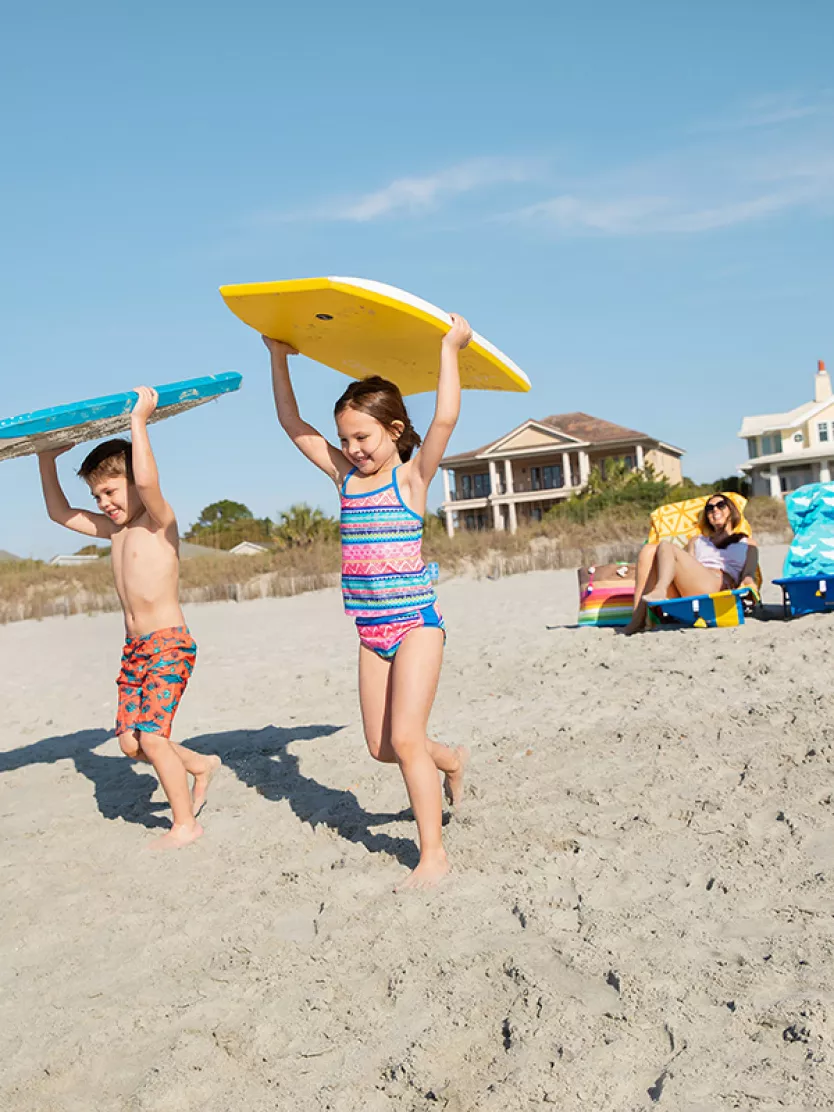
(634, 201)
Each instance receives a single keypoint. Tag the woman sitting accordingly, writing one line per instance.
(717, 560)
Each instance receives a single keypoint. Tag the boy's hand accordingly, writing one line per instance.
(459, 334)
(146, 403)
(53, 453)
(279, 347)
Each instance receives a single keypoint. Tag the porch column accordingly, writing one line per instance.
(641, 463)
(447, 504)
(508, 475)
(513, 518)
(493, 477)
(566, 475)
(775, 488)
(825, 471)
(584, 468)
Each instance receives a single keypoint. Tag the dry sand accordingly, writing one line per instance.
(641, 913)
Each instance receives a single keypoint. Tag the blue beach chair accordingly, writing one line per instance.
(722, 609)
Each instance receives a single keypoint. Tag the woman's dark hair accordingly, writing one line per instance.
(383, 401)
(735, 520)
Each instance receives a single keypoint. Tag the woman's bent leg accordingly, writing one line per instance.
(677, 568)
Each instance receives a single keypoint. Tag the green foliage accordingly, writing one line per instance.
(219, 514)
(639, 492)
(626, 493)
(225, 524)
(302, 525)
(94, 550)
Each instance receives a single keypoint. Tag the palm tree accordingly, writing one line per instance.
(301, 525)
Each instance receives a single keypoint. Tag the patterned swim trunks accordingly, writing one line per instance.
(155, 671)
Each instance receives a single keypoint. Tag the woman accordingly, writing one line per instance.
(717, 560)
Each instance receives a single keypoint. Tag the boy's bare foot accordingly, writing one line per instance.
(178, 837)
(428, 874)
(453, 781)
(201, 785)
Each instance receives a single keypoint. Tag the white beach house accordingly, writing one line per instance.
(787, 450)
(518, 477)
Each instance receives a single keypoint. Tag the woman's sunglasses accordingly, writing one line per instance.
(722, 505)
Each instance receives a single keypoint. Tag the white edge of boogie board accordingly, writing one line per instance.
(426, 306)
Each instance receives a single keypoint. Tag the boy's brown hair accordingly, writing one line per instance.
(383, 401)
(109, 460)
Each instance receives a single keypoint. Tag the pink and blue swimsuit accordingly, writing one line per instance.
(385, 583)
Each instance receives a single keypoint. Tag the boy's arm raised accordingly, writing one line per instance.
(145, 475)
(447, 407)
(57, 506)
(308, 440)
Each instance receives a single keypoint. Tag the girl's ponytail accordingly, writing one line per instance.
(408, 440)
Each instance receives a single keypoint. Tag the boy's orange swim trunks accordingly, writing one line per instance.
(154, 674)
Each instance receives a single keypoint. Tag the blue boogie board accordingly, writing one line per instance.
(103, 417)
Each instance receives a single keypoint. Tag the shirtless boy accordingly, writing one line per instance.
(159, 652)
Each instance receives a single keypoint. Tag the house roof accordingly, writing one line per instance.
(774, 422)
(593, 429)
(4, 555)
(581, 427)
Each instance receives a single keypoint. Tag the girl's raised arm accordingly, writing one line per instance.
(308, 440)
(447, 407)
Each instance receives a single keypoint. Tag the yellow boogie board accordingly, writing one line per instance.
(365, 328)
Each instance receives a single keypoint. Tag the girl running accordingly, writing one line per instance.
(385, 582)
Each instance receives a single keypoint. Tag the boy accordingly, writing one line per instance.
(159, 651)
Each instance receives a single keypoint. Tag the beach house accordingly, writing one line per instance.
(517, 478)
(787, 450)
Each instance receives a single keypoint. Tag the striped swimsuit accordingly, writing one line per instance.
(385, 584)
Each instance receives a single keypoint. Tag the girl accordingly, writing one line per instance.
(717, 560)
(385, 583)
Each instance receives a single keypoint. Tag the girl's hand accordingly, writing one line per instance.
(146, 403)
(279, 347)
(459, 334)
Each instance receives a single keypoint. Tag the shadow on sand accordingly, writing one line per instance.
(260, 759)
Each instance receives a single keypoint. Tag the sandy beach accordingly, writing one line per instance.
(641, 913)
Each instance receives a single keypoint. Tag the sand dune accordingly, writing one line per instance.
(641, 913)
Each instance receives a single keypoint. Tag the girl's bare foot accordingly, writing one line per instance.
(428, 874)
(201, 785)
(178, 837)
(453, 781)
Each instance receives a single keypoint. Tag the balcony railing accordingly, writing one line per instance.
(500, 490)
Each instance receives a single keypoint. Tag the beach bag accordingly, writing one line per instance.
(606, 594)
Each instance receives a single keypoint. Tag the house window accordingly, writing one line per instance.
(772, 444)
(822, 432)
(552, 477)
(752, 447)
(474, 486)
(630, 462)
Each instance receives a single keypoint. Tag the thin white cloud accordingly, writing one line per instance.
(415, 196)
(627, 216)
(770, 110)
(716, 182)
